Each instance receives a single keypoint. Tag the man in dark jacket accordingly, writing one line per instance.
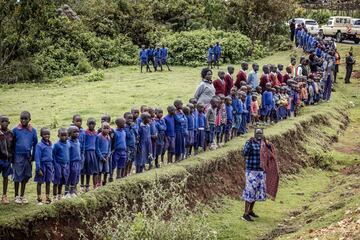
(350, 61)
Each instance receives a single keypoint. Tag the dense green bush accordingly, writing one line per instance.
(22, 71)
(95, 76)
(190, 48)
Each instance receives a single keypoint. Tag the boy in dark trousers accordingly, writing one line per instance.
(25, 140)
(6, 154)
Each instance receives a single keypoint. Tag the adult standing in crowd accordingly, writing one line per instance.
(328, 67)
(292, 29)
(261, 173)
(350, 61)
(205, 91)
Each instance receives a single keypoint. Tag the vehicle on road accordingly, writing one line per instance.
(355, 22)
(340, 28)
(311, 24)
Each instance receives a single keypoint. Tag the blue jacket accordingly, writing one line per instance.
(229, 113)
(75, 150)
(131, 135)
(103, 146)
(180, 119)
(267, 99)
(170, 126)
(164, 53)
(43, 153)
(217, 49)
(120, 139)
(61, 152)
(190, 120)
(143, 54)
(25, 139)
(201, 120)
(90, 139)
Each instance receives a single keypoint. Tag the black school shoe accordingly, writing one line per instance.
(246, 217)
(252, 214)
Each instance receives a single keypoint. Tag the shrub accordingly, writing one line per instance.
(84, 66)
(190, 48)
(22, 71)
(95, 76)
(162, 214)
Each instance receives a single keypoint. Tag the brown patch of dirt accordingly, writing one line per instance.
(280, 230)
(356, 74)
(354, 169)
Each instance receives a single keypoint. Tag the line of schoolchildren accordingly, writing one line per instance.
(157, 57)
(214, 55)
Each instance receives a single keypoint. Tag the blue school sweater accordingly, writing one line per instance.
(160, 126)
(190, 122)
(25, 139)
(201, 121)
(75, 150)
(170, 126)
(82, 140)
(131, 135)
(237, 107)
(103, 146)
(217, 49)
(157, 53)
(120, 139)
(164, 53)
(245, 110)
(179, 120)
(267, 98)
(61, 152)
(196, 116)
(229, 113)
(150, 52)
(43, 153)
(90, 139)
(153, 130)
(143, 54)
(210, 52)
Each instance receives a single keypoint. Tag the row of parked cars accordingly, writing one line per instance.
(338, 27)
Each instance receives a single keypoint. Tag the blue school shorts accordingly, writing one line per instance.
(179, 143)
(266, 111)
(22, 167)
(170, 144)
(62, 172)
(104, 167)
(119, 158)
(143, 61)
(130, 155)
(5, 168)
(216, 56)
(91, 163)
(157, 62)
(210, 133)
(75, 168)
(236, 124)
(48, 171)
(200, 138)
(190, 138)
(210, 59)
(163, 61)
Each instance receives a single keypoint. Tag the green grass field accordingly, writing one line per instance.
(53, 104)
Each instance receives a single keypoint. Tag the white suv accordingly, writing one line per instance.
(311, 25)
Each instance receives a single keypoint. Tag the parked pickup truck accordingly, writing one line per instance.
(340, 28)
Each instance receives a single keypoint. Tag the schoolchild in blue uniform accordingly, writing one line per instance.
(144, 151)
(229, 117)
(195, 113)
(180, 121)
(201, 124)
(103, 152)
(150, 57)
(6, 154)
(170, 133)
(25, 140)
(267, 103)
(210, 56)
(91, 165)
(237, 110)
(217, 54)
(119, 155)
(75, 159)
(153, 132)
(61, 157)
(245, 112)
(144, 59)
(157, 57)
(248, 103)
(161, 138)
(131, 131)
(191, 129)
(44, 172)
(164, 56)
